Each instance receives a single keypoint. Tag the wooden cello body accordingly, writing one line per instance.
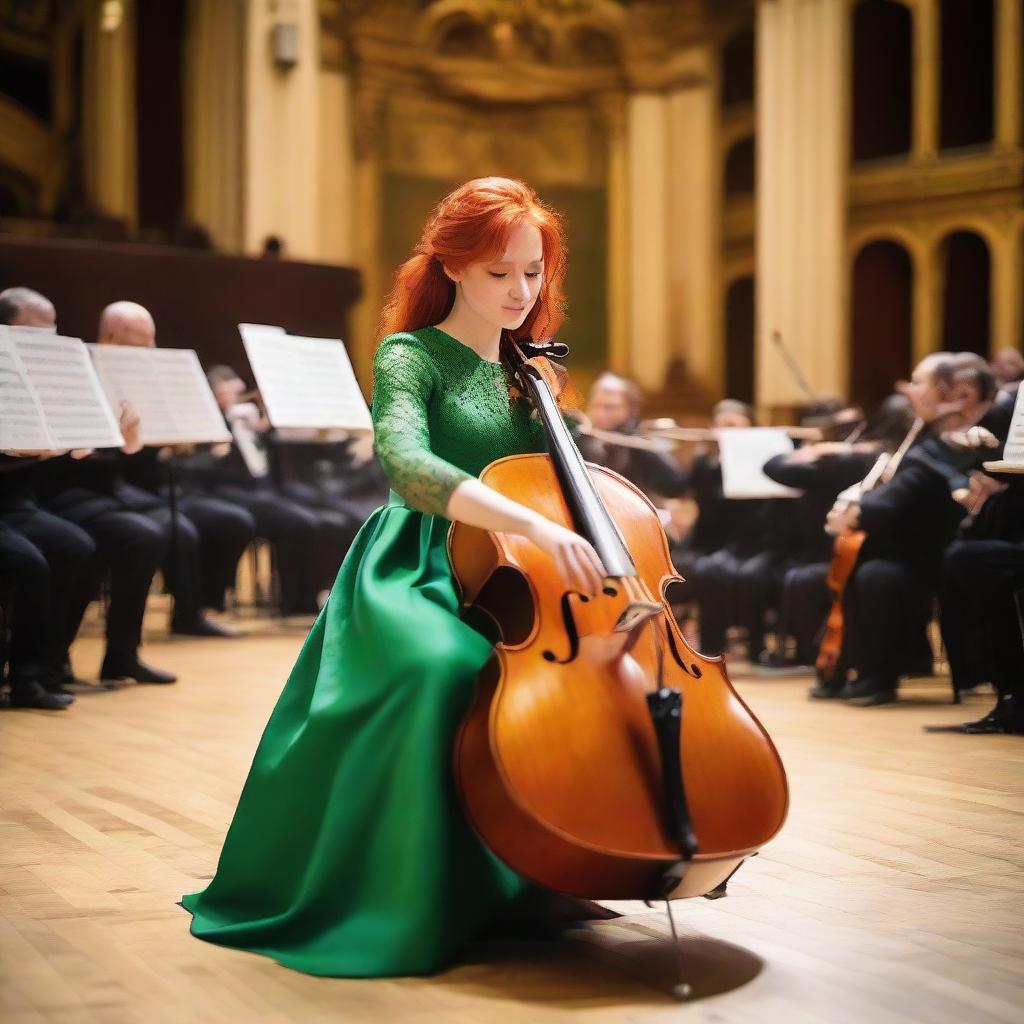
(845, 553)
(602, 757)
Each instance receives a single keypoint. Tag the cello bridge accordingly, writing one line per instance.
(635, 614)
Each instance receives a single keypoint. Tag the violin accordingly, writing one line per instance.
(601, 757)
(846, 552)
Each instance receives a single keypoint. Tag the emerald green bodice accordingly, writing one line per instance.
(441, 413)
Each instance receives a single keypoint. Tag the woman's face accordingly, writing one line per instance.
(503, 292)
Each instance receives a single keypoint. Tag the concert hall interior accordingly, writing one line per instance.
(280, 280)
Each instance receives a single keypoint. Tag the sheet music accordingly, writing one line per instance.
(22, 426)
(743, 452)
(261, 327)
(49, 382)
(305, 382)
(1013, 451)
(168, 390)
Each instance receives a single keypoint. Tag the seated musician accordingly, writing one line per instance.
(711, 528)
(983, 578)
(732, 555)
(614, 405)
(121, 544)
(44, 563)
(339, 476)
(821, 471)
(309, 542)
(982, 600)
(1008, 366)
(909, 521)
(201, 542)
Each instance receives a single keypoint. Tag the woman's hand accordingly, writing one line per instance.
(576, 559)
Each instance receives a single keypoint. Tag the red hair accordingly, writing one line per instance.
(470, 225)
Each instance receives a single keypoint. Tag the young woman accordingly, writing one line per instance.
(348, 853)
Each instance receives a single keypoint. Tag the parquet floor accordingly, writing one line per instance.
(894, 894)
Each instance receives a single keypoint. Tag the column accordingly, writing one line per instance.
(282, 124)
(215, 119)
(1009, 44)
(1006, 287)
(927, 297)
(336, 170)
(649, 337)
(694, 202)
(925, 139)
(802, 123)
(108, 108)
(368, 111)
(613, 110)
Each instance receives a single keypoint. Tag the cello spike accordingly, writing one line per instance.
(682, 989)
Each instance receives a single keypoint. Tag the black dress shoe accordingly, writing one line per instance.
(1006, 717)
(116, 672)
(868, 692)
(30, 693)
(203, 627)
(825, 691)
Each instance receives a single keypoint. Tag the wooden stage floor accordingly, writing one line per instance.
(894, 893)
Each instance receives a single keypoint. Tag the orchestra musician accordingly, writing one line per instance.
(613, 404)
(821, 471)
(119, 543)
(909, 521)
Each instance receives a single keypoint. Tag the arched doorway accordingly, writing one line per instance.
(966, 274)
(883, 68)
(739, 340)
(965, 112)
(881, 321)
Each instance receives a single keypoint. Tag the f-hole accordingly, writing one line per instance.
(506, 599)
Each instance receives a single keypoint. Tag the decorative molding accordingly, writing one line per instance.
(27, 26)
(30, 147)
(518, 51)
(442, 139)
(981, 182)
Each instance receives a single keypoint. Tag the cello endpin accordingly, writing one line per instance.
(682, 989)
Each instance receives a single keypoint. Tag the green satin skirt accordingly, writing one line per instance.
(349, 853)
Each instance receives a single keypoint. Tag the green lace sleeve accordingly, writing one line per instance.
(404, 377)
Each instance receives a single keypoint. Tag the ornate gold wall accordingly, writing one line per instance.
(625, 115)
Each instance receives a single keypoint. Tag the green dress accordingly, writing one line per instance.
(349, 854)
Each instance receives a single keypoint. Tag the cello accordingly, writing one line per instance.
(601, 756)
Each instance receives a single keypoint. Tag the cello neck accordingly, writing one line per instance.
(588, 511)
(897, 456)
(886, 465)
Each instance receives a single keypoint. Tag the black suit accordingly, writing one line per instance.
(733, 558)
(125, 544)
(806, 597)
(657, 474)
(309, 541)
(909, 522)
(712, 527)
(117, 499)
